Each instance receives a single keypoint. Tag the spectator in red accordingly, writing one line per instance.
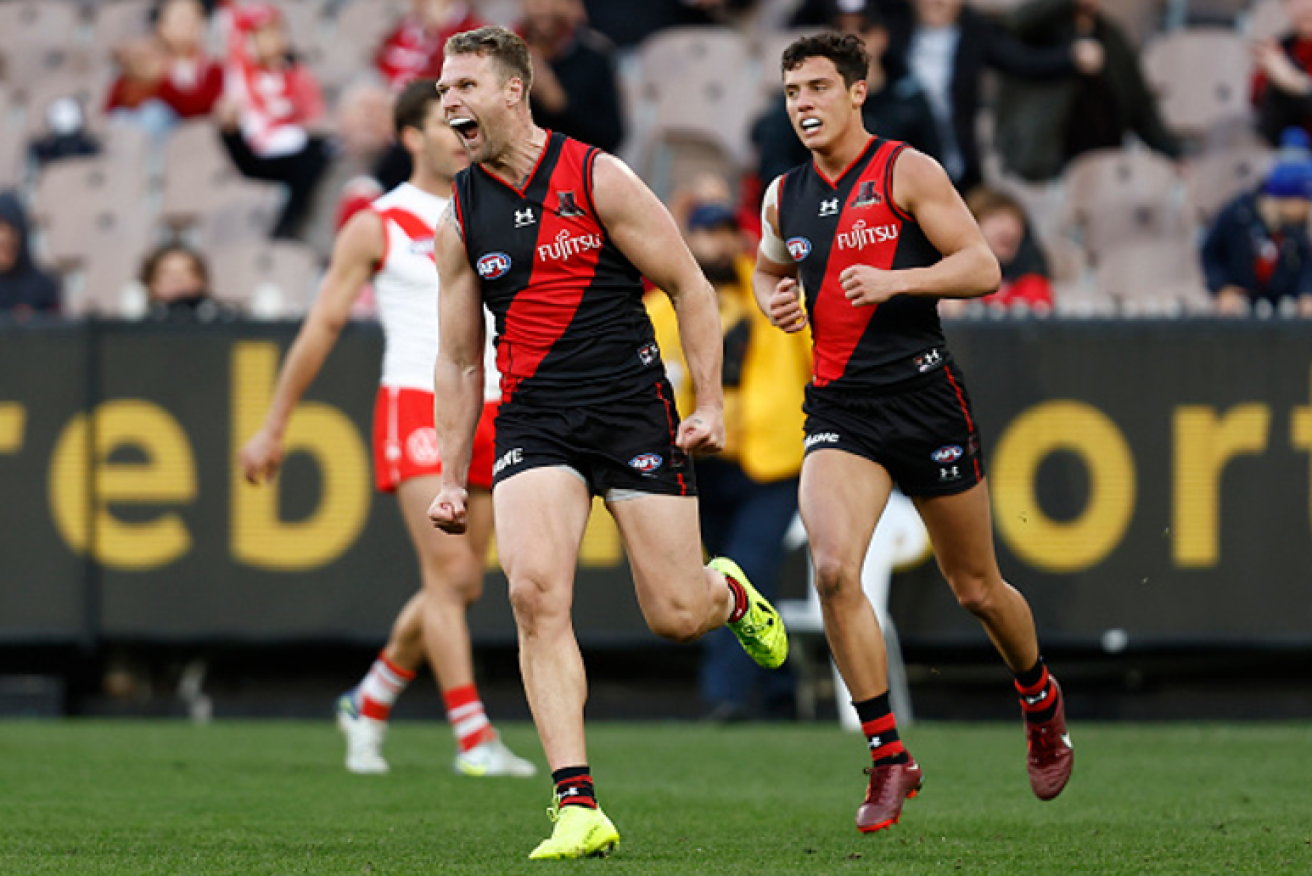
(1003, 223)
(271, 111)
(166, 75)
(574, 85)
(414, 49)
(1282, 80)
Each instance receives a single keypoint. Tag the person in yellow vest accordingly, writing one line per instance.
(748, 491)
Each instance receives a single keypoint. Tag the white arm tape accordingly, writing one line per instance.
(772, 246)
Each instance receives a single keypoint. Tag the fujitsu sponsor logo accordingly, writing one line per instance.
(862, 236)
(567, 245)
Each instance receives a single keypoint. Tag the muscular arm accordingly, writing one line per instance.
(645, 232)
(458, 372)
(356, 251)
(967, 269)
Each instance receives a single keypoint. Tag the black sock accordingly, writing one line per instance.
(574, 786)
(880, 728)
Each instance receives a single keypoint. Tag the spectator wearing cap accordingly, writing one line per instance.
(1044, 123)
(748, 492)
(896, 106)
(271, 111)
(1257, 254)
(574, 84)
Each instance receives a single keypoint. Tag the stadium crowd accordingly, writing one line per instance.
(1128, 158)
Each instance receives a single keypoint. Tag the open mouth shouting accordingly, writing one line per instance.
(466, 127)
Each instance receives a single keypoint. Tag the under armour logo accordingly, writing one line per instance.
(950, 473)
(1036, 699)
(876, 742)
(928, 361)
(829, 207)
(524, 217)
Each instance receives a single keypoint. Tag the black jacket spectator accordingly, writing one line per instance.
(1043, 124)
(983, 43)
(1257, 250)
(24, 287)
(585, 68)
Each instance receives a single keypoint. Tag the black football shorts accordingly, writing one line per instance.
(924, 433)
(619, 447)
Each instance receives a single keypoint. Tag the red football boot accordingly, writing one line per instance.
(889, 786)
(1051, 755)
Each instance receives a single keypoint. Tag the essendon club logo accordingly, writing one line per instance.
(567, 205)
(867, 194)
(799, 248)
(493, 265)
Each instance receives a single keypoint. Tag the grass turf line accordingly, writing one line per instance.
(82, 797)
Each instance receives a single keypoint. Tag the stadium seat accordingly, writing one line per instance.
(29, 66)
(1216, 177)
(266, 279)
(116, 21)
(1140, 19)
(1160, 277)
(1114, 196)
(701, 86)
(242, 212)
(365, 23)
(1268, 20)
(196, 171)
(77, 196)
(1201, 78)
(118, 242)
(38, 22)
(13, 150)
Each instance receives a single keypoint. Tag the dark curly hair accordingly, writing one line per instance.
(847, 51)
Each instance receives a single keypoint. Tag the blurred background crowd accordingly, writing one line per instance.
(1124, 157)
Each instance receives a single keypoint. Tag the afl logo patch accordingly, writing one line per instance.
(493, 265)
(646, 462)
(799, 248)
(947, 453)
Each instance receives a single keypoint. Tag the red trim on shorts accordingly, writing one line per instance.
(669, 419)
(965, 412)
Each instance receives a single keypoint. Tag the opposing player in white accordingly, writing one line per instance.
(392, 243)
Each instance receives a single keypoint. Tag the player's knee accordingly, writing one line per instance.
(975, 593)
(533, 600)
(679, 627)
(835, 577)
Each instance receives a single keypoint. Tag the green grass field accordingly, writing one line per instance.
(137, 798)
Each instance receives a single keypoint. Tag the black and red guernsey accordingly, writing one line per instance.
(830, 225)
(570, 324)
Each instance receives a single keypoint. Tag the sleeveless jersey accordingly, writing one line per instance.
(831, 225)
(571, 327)
(406, 289)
